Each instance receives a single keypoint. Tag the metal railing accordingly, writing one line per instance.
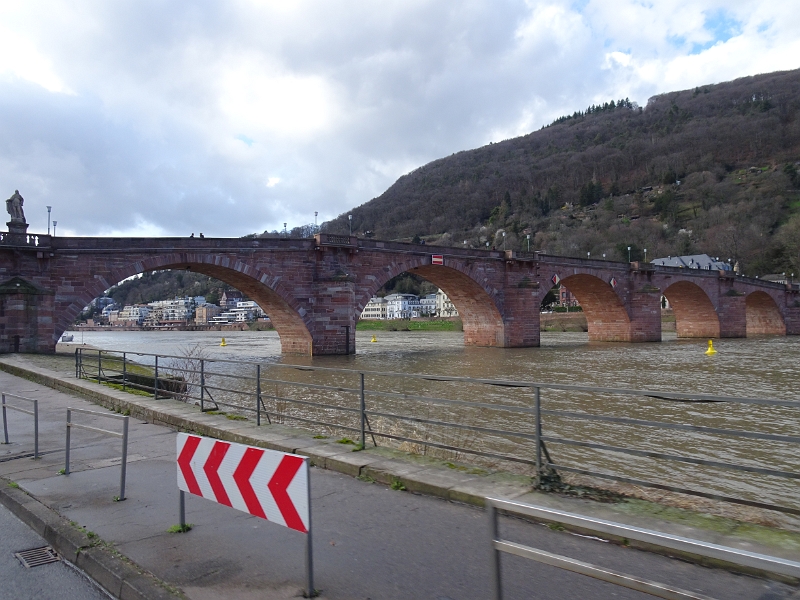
(123, 435)
(742, 558)
(34, 413)
(503, 421)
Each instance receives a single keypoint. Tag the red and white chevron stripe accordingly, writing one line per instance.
(264, 483)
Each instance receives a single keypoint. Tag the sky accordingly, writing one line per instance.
(156, 118)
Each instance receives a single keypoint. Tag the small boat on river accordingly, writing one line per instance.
(67, 337)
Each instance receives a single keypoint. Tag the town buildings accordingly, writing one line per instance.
(409, 306)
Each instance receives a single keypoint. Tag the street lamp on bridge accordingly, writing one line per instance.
(48, 220)
(54, 228)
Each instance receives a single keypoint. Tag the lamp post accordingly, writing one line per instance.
(48, 219)
(588, 255)
(350, 219)
(284, 230)
(54, 228)
(629, 254)
(504, 240)
(645, 255)
(315, 221)
(529, 242)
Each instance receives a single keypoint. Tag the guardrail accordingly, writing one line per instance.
(667, 440)
(742, 558)
(34, 413)
(123, 435)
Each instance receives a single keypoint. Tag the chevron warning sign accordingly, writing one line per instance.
(264, 483)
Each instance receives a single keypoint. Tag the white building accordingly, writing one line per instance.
(179, 309)
(402, 306)
(428, 306)
(375, 309)
(444, 307)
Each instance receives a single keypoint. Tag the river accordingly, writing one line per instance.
(765, 367)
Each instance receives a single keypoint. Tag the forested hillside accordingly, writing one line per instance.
(721, 161)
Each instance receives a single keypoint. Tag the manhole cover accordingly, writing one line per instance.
(37, 556)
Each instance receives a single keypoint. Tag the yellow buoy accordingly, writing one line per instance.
(710, 350)
(374, 339)
(223, 343)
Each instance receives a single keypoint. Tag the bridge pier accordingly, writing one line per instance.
(732, 312)
(792, 320)
(521, 324)
(644, 310)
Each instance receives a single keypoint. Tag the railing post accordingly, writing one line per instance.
(310, 591)
(99, 365)
(538, 416)
(35, 429)
(69, 420)
(77, 351)
(363, 414)
(202, 383)
(182, 510)
(491, 512)
(258, 394)
(124, 370)
(5, 424)
(155, 381)
(124, 458)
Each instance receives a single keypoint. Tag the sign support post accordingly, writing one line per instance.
(272, 485)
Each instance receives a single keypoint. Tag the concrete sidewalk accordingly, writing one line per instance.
(370, 541)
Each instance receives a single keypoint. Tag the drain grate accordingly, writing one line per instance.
(37, 556)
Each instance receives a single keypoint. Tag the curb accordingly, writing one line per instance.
(118, 575)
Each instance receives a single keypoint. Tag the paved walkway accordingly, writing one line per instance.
(370, 541)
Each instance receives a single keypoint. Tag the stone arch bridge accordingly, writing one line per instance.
(314, 289)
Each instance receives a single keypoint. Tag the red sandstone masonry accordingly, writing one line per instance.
(314, 290)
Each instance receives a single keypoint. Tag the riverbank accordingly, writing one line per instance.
(255, 326)
(410, 325)
(399, 470)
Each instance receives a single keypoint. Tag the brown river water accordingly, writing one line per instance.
(767, 367)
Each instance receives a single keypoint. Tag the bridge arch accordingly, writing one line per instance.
(477, 306)
(763, 315)
(606, 316)
(695, 315)
(267, 291)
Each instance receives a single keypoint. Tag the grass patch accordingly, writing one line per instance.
(216, 412)
(13, 484)
(180, 528)
(365, 479)
(128, 389)
(555, 526)
(346, 440)
(320, 437)
(406, 325)
(236, 417)
(397, 485)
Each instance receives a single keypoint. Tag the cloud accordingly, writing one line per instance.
(155, 118)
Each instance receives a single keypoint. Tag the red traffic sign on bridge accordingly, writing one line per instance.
(264, 483)
(437, 259)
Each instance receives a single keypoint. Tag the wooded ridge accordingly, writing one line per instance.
(709, 170)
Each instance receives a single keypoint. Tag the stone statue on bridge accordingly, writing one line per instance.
(14, 208)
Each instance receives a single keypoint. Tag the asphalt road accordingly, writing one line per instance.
(55, 580)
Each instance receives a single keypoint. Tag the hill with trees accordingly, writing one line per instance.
(709, 170)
